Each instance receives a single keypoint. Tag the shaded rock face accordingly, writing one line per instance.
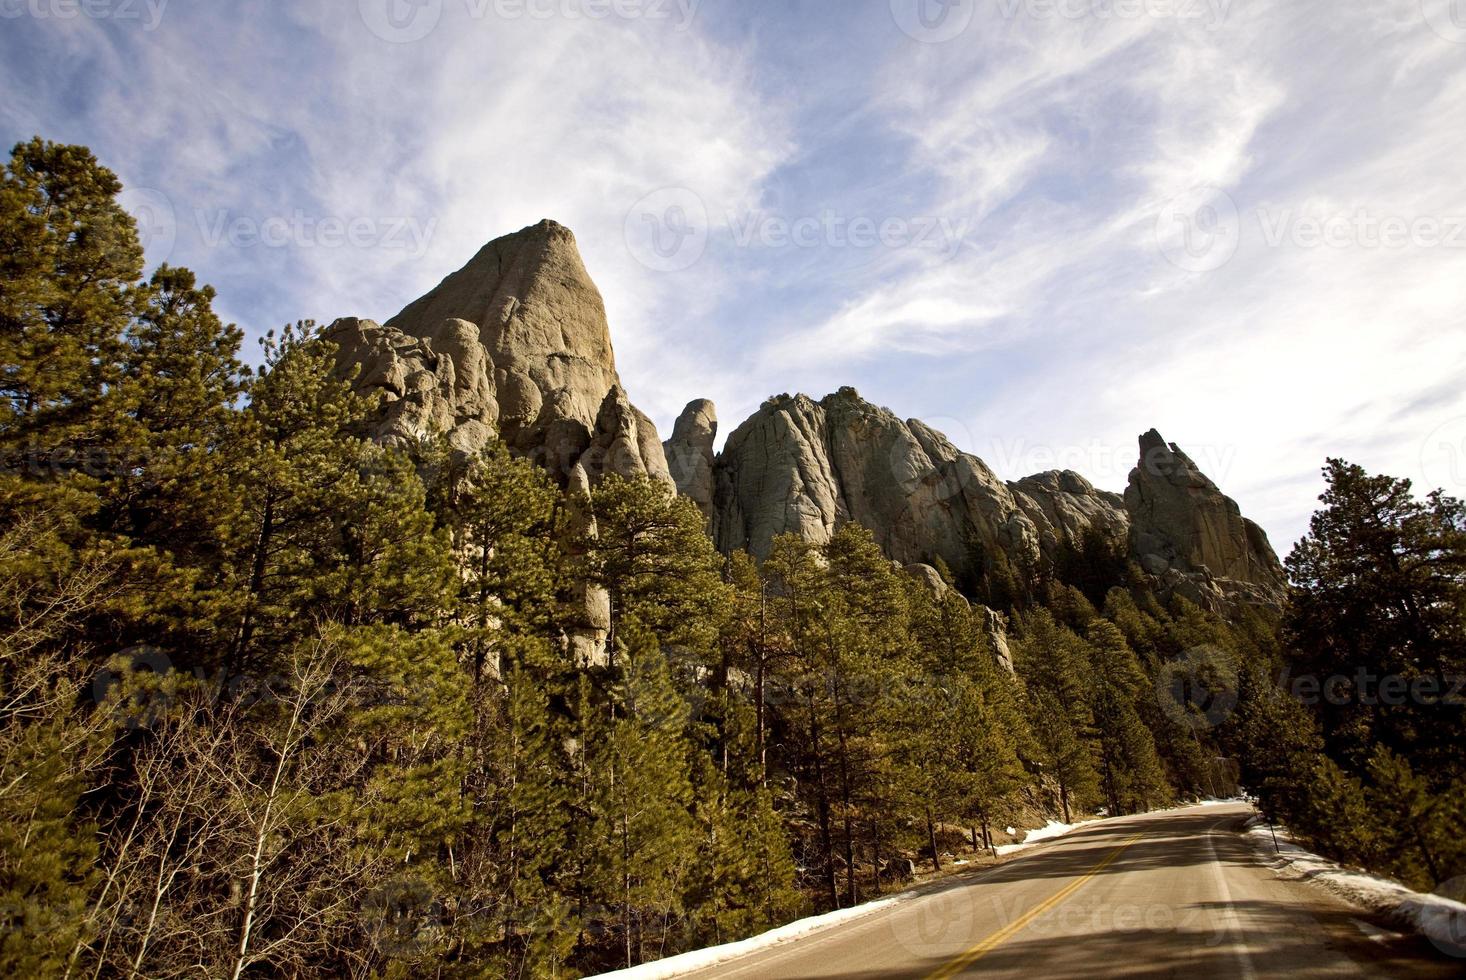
(1184, 528)
(514, 345)
(806, 467)
(1064, 505)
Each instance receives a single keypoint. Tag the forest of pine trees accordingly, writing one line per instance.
(275, 699)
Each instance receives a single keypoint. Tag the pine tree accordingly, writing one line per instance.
(171, 412)
(322, 525)
(507, 524)
(1053, 664)
(530, 828)
(69, 266)
(1379, 594)
(1130, 769)
(638, 838)
(798, 588)
(650, 552)
(743, 880)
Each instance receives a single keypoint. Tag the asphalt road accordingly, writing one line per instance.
(1176, 894)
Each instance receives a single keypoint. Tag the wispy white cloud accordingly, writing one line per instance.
(1069, 144)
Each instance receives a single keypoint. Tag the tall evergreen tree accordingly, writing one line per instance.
(1054, 666)
(1130, 770)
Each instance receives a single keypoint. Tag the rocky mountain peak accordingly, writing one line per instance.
(803, 466)
(1182, 523)
(514, 345)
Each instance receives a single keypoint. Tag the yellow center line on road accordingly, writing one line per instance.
(971, 956)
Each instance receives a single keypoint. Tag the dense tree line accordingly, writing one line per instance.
(1353, 733)
(276, 699)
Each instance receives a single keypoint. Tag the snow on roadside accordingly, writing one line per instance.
(701, 959)
(1439, 919)
(1053, 829)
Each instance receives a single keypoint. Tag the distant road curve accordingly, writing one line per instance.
(1173, 894)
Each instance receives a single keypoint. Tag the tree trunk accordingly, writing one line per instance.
(931, 834)
(846, 808)
(262, 835)
(626, 887)
(875, 854)
(760, 666)
(823, 808)
(256, 585)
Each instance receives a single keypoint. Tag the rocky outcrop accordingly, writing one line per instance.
(690, 455)
(515, 346)
(1064, 505)
(806, 467)
(1184, 529)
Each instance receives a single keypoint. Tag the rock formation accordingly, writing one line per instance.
(690, 453)
(1184, 528)
(514, 345)
(807, 467)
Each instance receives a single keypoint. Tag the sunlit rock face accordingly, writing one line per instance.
(690, 454)
(514, 345)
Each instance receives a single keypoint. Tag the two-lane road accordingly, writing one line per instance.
(1175, 894)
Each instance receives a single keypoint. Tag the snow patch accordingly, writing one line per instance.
(1052, 830)
(1439, 919)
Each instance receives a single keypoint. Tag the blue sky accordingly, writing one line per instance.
(1042, 226)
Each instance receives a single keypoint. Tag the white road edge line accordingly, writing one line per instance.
(1234, 925)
